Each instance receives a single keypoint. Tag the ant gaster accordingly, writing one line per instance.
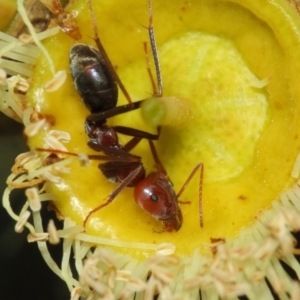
(97, 83)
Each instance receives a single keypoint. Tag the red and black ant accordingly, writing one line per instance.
(96, 82)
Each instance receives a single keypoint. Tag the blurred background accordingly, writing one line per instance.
(23, 272)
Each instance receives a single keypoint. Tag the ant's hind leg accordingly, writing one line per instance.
(137, 135)
(105, 56)
(136, 132)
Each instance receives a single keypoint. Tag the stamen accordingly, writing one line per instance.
(33, 199)
(56, 82)
(19, 227)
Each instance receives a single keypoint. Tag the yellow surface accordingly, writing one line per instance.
(7, 11)
(212, 53)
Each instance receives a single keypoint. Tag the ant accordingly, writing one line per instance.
(97, 83)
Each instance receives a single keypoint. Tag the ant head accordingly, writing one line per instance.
(155, 195)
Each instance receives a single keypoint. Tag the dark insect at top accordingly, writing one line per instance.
(92, 79)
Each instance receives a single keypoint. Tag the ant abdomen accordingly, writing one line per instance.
(92, 79)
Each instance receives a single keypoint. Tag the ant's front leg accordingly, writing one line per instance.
(135, 173)
(106, 59)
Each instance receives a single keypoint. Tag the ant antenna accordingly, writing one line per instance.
(105, 56)
(199, 166)
(149, 70)
(154, 51)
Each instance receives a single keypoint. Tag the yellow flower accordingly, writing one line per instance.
(236, 66)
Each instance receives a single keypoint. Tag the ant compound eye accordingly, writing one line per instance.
(154, 197)
(151, 199)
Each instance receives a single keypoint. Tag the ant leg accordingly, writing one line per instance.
(151, 33)
(136, 132)
(138, 135)
(158, 163)
(105, 56)
(201, 167)
(100, 116)
(115, 156)
(149, 69)
(115, 193)
(132, 143)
